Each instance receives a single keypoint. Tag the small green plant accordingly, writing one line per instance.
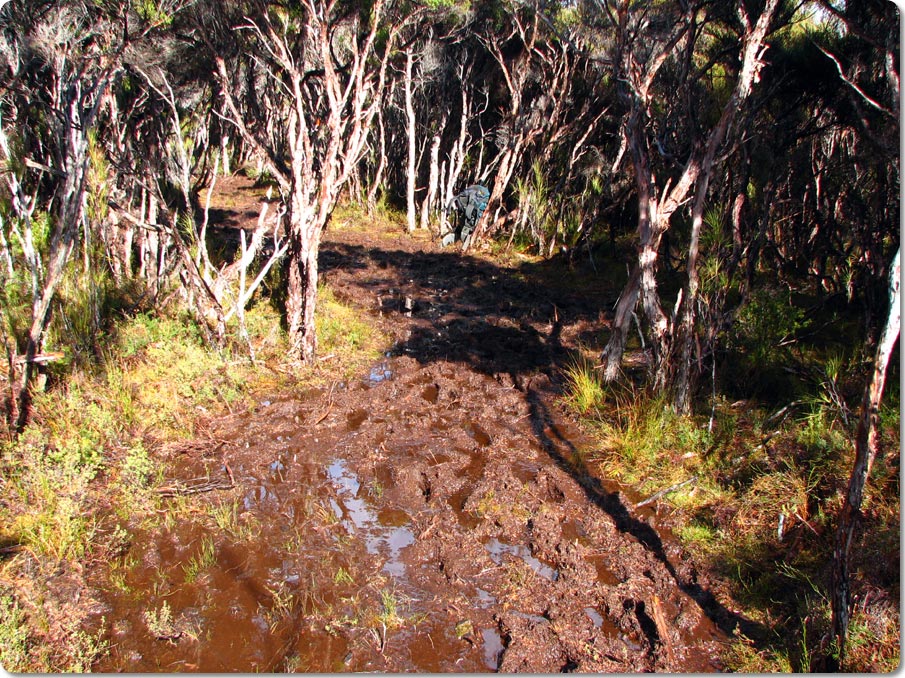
(205, 558)
(744, 656)
(765, 331)
(376, 488)
(59, 531)
(152, 12)
(229, 519)
(84, 649)
(137, 467)
(342, 576)
(697, 533)
(389, 615)
(13, 636)
(464, 628)
(282, 604)
(584, 389)
(160, 623)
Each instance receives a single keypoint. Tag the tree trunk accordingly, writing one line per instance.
(304, 240)
(377, 180)
(412, 169)
(81, 109)
(866, 447)
(615, 348)
(683, 339)
(431, 197)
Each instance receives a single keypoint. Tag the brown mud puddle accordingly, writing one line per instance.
(432, 515)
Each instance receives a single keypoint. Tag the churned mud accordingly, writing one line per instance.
(432, 514)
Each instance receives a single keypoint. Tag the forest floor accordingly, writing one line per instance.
(434, 513)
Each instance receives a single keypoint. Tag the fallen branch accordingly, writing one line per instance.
(661, 493)
(195, 486)
(39, 358)
(662, 627)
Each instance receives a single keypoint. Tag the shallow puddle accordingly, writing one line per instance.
(497, 549)
(493, 648)
(382, 537)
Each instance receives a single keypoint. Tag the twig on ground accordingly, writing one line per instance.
(661, 493)
(195, 486)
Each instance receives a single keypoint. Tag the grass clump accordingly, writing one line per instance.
(584, 388)
(13, 636)
(344, 336)
(205, 557)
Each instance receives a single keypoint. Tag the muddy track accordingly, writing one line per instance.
(432, 515)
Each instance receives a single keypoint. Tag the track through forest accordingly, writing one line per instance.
(434, 514)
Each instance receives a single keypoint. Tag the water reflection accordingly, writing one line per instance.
(382, 537)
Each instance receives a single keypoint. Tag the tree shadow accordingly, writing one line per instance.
(553, 441)
(500, 321)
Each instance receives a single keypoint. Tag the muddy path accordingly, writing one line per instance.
(434, 514)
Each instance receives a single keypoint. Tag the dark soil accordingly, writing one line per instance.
(435, 514)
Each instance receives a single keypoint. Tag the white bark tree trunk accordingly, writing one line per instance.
(866, 447)
(411, 167)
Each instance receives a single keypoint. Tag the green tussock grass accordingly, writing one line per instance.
(584, 389)
(344, 334)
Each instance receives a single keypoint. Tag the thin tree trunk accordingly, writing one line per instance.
(866, 447)
(74, 142)
(431, 197)
(377, 181)
(615, 348)
(410, 131)
(683, 337)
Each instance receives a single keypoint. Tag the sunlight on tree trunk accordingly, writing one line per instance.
(866, 448)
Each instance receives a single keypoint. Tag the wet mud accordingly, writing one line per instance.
(434, 514)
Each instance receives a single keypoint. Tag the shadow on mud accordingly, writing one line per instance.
(468, 310)
(523, 323)
(548, 436)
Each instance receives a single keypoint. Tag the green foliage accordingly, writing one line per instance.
(146, 331)
(99, 179)
(537, 216)
(137, 467)
(152, 12)
(766, 323)
(160, 623)
(761, 515)
(343, 332)
(760, 342)
(648, 443)
(460, 5)
(203, 559)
